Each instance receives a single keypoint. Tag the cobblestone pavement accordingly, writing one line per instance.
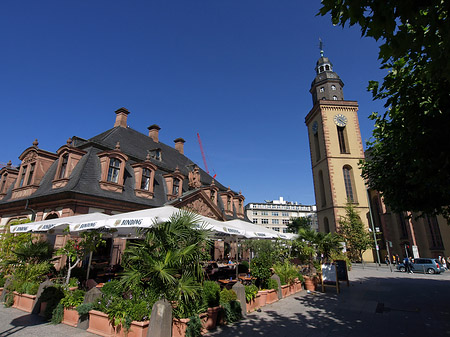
(377, 303)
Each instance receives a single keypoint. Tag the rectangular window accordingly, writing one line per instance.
(2, 187)
(341, 137)
(264, 221)
(274, 213)
(255, 221)
(145, 181)
(434, 233)
(255, 213)
(275, 221)
(276, 229)
(22, 177)
(285, 230)
(348, 184)
(285, 222)
(30, 174)
(284, 214)
(264, 213)
(176, 187)
(62, 171)
(113, 171)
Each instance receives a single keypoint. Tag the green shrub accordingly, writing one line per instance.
(194, 327)
(9, 300)
(72, 299)
(272, 284)
(211, 294)
(2, 281)
(250, 292)
(57, 314)
(227, 295)
(233, 311)
(286, 271)
(112, 289)
(123, 312)
(260, 266)
(84, 308)
(73, 282)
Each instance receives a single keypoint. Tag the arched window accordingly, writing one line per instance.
(52, 216)
(322, 189)
(327, 67)
(333, 87)
(334, 98)
(114, 170)
(22, 176)
(349, 183)
(316, 145)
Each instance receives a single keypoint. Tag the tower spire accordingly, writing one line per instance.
(321, 47)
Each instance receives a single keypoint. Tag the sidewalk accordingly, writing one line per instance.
(17, 323)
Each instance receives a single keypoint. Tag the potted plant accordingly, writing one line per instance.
(49, 299)
(250, 296)
(70, 301)
(211, 297)
(272, 291)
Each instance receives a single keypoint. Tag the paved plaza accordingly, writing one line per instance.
(377, 303)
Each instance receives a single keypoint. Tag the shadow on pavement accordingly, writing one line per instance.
(22, 322)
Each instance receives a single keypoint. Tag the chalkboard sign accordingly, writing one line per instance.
(329, 273)
(329, 276)
(342, 273)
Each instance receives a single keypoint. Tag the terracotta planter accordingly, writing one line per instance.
(137, 329)
(99, 324)
(179, 325)
(272, 296)
(310, 283)
(24, 302)
(298, 286)
(292, 289)
(212, 317)
(285, 290)
(262, 298)
(70, 317)
(73, 288)
(252, 305)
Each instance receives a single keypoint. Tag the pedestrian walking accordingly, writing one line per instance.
(407, 264)
(397, 258)
(386, 260)
(394, 259)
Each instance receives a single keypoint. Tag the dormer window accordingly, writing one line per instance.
(174, 184)
(22, 175)
(35, 164)
(228, 203)
(62, 170)
(30, 174)
(213, 196)
(7, 176)
(145, 180)
(69, 157)
(3, 182)
(113, 169)
(144, 174)
(155, 154)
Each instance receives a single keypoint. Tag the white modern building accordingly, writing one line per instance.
(276, 214)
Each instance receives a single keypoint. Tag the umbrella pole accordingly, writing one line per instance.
(89, 266)
(237, 258)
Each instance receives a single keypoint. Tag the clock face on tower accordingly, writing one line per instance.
(340, 120)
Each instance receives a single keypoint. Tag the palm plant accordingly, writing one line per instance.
(168, 259)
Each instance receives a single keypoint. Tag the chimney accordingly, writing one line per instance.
(153, 132)
(179, 145)
(121, 117)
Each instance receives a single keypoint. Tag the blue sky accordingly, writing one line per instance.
(236, 72)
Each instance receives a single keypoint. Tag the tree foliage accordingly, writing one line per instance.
(300, 222)
(351, 229)
(409, 154)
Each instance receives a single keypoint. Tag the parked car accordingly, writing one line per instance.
(423, 265)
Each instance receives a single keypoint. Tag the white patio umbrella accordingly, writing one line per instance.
(253, 231)
(58, 225)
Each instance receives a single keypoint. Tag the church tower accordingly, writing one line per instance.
(336, 149)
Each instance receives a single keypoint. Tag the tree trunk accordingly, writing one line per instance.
(69, 270)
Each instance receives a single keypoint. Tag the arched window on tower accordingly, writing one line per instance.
(349, 183)
(316, 145)
(322, 189)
